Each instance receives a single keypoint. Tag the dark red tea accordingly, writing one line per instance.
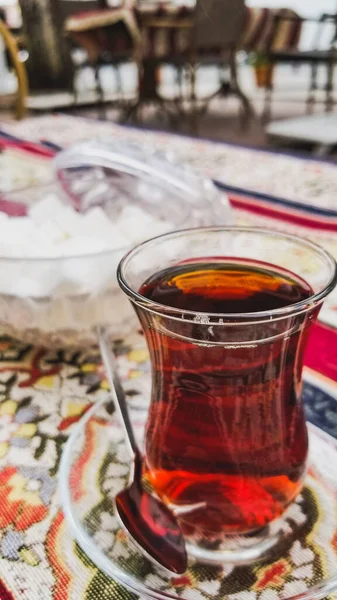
(226, 440)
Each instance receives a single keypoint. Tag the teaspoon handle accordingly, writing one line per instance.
(116, 389)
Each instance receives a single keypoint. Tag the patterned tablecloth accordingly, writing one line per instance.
(43, 393)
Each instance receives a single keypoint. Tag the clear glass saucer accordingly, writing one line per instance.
(95, 467)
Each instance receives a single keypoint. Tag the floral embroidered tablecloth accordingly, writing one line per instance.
(44, 393)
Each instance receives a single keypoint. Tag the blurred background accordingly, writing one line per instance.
(256, 72)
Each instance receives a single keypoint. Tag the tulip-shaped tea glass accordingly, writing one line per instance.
(227, 313)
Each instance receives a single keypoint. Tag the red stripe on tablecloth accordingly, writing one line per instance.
(28, 147)
(281, 213)
(321, 353)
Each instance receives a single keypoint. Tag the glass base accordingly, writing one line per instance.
(238, 549)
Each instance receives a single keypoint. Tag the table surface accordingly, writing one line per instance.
(43, 394)
(318, 129)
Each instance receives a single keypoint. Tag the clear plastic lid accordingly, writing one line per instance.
(113, 175)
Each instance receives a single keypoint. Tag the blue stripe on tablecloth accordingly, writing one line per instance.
(321, 408)
(36, 148)
(9, 136)
(278, 201)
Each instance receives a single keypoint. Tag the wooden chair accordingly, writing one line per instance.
(19, 68)
(71, 8)
(213, 33)
(105, 34)
(318, 55)
(215, 39)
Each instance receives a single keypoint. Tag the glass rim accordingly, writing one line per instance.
(176, 313)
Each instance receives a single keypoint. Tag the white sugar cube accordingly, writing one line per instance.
(29, 279)
(68, 221)
(50, 233)
(135, 224)
(138, 225)
(22, 229)
(91, 273)
(158, 229)
(79, 242)
(45, 208)
(17, 231)
(116, 239)
(95, 221)
(133, 213)
(80, 246)
(9, 249)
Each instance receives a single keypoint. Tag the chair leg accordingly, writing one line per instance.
(99, 91)
(267, 107)
(74, 88)
(179, 81)
(329, 86)
(119, 83)
(131, 113)
(312, 89)
(194, 122)
(223, 75)
(236, 88)
(98, 85)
